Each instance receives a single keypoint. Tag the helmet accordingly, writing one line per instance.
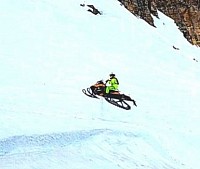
(112, 74)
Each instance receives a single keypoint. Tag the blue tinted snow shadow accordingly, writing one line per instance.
(54, 140)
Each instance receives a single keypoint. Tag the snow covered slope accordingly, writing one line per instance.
(51, 50)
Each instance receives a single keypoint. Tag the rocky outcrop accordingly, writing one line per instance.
(186, 14)
(92, 9)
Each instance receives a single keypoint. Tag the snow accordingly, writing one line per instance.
(51, 50)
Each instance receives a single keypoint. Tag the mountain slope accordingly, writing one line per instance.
(184, 13)
(51, 50)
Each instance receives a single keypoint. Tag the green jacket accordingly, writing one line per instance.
(114, 83)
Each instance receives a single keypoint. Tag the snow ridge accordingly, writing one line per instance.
(23, 143)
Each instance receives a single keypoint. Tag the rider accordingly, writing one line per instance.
(112, 83)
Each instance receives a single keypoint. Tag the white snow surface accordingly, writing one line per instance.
(50, 50)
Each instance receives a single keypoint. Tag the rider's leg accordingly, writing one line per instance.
(109, 88)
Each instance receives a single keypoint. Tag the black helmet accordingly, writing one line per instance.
(112, 74)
